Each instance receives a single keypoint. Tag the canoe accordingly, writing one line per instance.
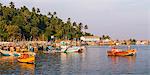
(26, 58)
(122, 53)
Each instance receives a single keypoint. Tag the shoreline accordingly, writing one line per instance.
(71, 42)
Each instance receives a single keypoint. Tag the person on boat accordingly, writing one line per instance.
(31, 48)
(11, 48)
(5, 48)
(69, 47)
(114, 49)
(49, 47)
(17, 48)
(129, 47)
(0, 46)
(23, 56)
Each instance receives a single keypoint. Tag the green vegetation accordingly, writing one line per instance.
(104, 37)
(132, 41)
(23, 24)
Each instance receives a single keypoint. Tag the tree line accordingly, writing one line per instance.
(23, 24)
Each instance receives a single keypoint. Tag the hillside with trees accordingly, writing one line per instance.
(23, 24)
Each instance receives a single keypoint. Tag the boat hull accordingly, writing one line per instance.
(16, 54)
(122, 53)
(27, 60)
(71, 49)
(66, 49)
(5, 54)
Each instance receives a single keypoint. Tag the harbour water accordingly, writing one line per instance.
(93, 61)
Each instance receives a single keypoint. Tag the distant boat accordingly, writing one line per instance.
(130, 52)
(14, 53)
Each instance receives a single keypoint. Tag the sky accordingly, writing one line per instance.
(121, 19)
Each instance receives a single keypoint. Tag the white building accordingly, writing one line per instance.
(90, 38)
(142, 42)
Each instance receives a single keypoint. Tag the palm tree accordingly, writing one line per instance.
(69, 19)
(33, 9)
(85, 27)
(24, 8)
(38, 10)
(80, 26)
(1, 4)
(12, 5)
(54, 13)
(103, 37)
(49, 13)
(100, 38)
(107, 37)
(74, 24)
(0, 9)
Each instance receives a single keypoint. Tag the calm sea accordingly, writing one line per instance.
(92, 61)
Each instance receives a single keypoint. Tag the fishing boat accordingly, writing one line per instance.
(52, 51)
(26, 58)
(16, 54)
(129, 52)
(66, 49)
(9, 53)
(6, 53)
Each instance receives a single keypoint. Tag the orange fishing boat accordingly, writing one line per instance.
(26, 58)
(116, 52)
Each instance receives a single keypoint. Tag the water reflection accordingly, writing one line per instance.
(27, 69)
(5, 59)
(10, 66)
(46, 63)
(72, 57)
(7, 65)
(92, 62)
(58, 63)
(123, 59)
(122, 64)
(71, 63)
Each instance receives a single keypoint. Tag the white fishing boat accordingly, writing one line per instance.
(66, 49)
(71, 49)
